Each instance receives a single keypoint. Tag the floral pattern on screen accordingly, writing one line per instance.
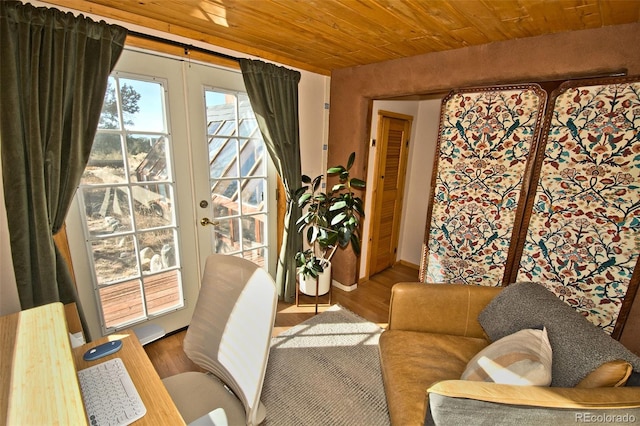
(583, 238)
(485, 138)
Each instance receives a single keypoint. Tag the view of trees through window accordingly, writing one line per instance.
(127, 193)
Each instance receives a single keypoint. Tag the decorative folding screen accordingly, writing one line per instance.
(583, 239)
(567, 215)
(484, 144)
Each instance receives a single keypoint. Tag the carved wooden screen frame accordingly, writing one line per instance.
(479, 127)
(581, 233)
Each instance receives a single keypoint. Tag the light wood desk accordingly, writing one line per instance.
(160, 407)
(39, 383)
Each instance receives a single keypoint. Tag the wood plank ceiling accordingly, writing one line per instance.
(323, 35)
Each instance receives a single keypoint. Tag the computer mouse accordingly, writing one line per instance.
(102, 350)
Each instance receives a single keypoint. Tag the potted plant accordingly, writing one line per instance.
(329, 220)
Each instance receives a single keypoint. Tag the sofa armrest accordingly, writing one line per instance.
(460, 402)
(540, 396)
(439, 308)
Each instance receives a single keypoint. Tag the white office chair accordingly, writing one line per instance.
(229, 336)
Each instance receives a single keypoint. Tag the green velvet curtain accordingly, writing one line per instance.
(273, 93)
(52, 83)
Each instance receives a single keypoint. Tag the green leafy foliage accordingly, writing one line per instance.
(329, 220)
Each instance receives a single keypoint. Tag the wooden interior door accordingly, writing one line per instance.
(391, 165)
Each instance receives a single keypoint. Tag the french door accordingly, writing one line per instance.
(237, 161)
(178, 171)
(127, 192)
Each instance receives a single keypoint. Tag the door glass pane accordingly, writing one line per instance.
(157, 250)
(254, 230)
(142, 105)
(110, 115)
(251, 158)
(128, 196)
(256, 256)
(223, 155)
(107, 210)
(114, 259)
(163, 291)
(152, 205)
(106, 161)
(227, 236)
(224, 197)
(114, 311)
(147, 158)
(238, 181)
(253, 195)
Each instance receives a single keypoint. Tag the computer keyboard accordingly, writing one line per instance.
(110, 397)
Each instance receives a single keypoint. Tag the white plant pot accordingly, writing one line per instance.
(308, 284)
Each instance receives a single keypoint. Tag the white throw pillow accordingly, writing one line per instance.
(522, 358)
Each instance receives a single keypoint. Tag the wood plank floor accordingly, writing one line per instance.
(370, 300)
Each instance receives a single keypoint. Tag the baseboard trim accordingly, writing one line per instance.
(343, 287)
(409, 264)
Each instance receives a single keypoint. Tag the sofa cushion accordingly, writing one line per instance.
(522, 358)
(579, 347)
(608, 375)
(412, 361)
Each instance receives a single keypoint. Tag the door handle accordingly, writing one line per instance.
(205, 221)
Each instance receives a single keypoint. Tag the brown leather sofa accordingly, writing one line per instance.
(433, 333)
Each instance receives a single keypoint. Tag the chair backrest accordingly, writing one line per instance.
(230, 332)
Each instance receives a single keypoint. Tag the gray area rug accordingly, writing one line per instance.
(326, 371)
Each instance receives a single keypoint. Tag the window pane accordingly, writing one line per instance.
(107, 210)
(249, 128)
(215, 145)
(252, 158)
(106, 163)
(147, 158)
(150, 95)
(253, 195)
(163, 292)
(114, 259)
(223, 161)
(256, 256)
(157, 250)
(248, 123)
(213, 126)
(109, 117)
(227, 236)
(253, 230)
(224, 198)
(221, 107)
(153, 206)
(121, 303)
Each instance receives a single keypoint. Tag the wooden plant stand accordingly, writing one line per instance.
(317, 302)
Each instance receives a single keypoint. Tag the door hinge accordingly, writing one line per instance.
(373, 142)
(407, 142)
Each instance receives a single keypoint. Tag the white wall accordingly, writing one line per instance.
(424, 133)
(313, 94)
(418, 187)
